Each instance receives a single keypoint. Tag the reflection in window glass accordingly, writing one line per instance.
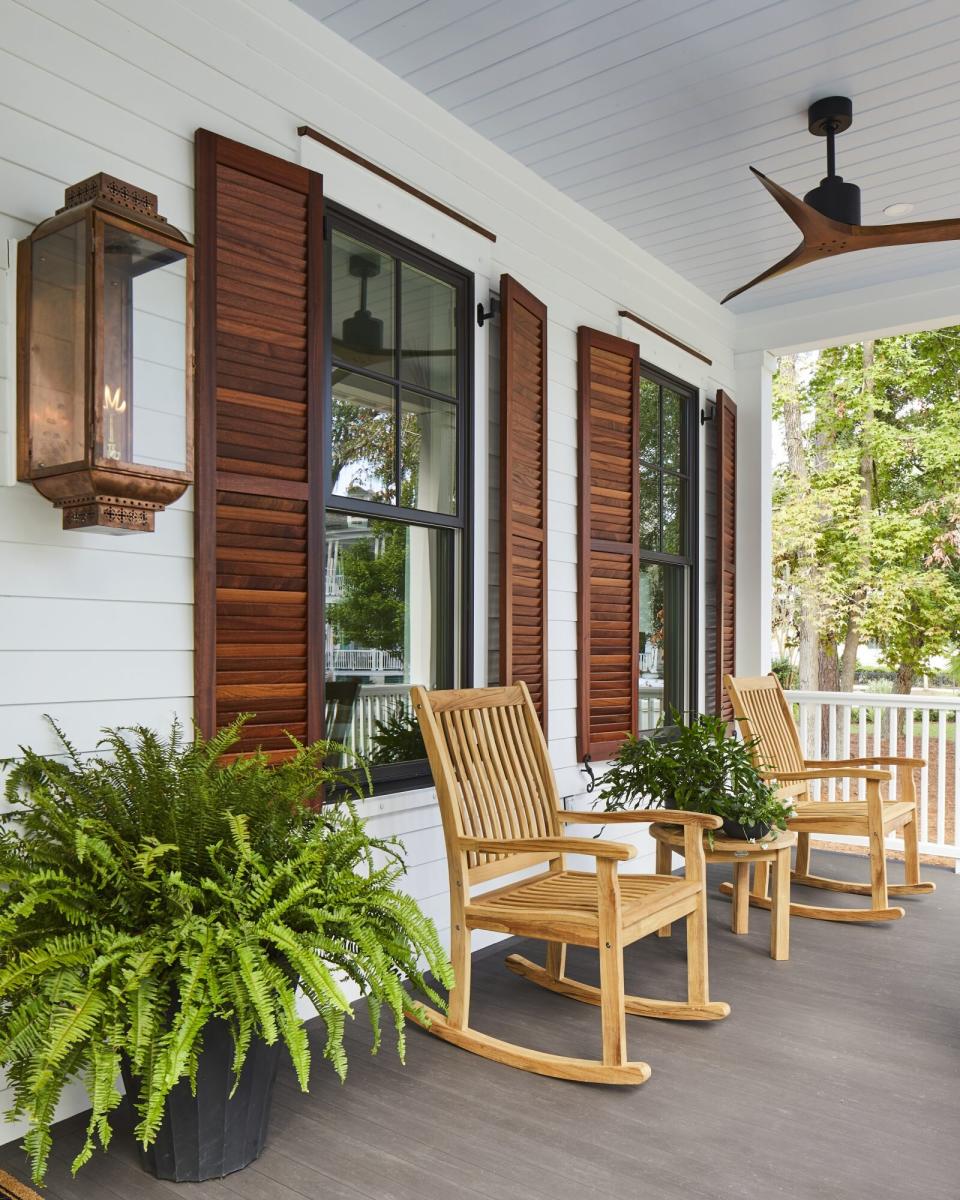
(649, 421)
(672, 429)
(428, 342)
(428, 453)
(391, 604)
(663, 614)
(362, 292)
(673, 492)
(363, 442)
(649, 510)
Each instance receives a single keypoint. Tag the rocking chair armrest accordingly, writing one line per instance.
(618, 851)
(660, 816)
(835, 771)
(878, 760)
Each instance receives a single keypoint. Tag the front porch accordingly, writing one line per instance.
(831, 1077)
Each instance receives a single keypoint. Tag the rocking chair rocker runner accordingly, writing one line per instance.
(763, 713)
(501, 814)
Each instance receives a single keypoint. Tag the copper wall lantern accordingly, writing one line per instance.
(105, 358)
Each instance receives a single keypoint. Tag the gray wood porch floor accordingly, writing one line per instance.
(834, 1078)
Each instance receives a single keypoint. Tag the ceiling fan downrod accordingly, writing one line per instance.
(834, 197)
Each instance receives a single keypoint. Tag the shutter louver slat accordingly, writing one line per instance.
(726, 546)
(258, 591)
(609, 629)
(523, 467)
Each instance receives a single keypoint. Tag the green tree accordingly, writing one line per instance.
(866, 506)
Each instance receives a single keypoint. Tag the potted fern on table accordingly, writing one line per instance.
(161, 907)
(697, 765)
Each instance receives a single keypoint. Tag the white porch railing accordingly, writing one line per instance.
(366, 661)
(856, 724)
(650, 706)
(374, 702)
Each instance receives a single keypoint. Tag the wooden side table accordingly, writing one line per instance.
(774, 851)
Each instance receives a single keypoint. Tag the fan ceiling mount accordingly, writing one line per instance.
(828, 217)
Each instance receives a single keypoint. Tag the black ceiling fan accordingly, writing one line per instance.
(829, 215)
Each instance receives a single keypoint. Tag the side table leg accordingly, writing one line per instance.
(780, 907)
(761, 873)
(740, 909)
(664, 867)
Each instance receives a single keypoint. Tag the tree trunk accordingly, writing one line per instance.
(829, 665)
(848, 662)
(829, 682)
(806, 577)
(852, 643)
(905, 680)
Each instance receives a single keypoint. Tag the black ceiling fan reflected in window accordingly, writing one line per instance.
(363, 331)
(829, 215)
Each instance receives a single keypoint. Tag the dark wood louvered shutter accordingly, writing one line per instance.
(523, 491)
(609, 622)
(258, 590)
(726, 420)
(713, 678)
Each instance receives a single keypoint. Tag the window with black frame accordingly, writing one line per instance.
(667, 538)
(398, 421)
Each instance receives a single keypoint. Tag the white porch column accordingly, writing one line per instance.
(754, 398)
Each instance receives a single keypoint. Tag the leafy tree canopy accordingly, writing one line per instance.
(867, 506)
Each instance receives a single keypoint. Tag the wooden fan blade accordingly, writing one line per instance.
(825, 238)
(812, 224)
(908, 233)
(796, 258)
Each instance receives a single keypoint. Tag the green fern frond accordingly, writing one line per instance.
(149, 888)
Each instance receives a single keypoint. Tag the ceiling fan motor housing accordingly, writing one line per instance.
(834, 198)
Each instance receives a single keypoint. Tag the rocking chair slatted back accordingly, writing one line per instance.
(491, 768)
(763, 714)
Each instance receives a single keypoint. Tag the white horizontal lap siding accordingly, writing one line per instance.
(97, 630)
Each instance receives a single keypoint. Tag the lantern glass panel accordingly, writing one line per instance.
(142, 397)
(57, 374)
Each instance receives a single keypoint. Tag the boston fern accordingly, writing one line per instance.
(152, 887)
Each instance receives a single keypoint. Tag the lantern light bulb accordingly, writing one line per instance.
(114, 407)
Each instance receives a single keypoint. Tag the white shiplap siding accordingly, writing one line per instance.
(97, 630)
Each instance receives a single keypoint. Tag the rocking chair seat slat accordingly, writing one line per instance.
(534, 908)
(852, 813)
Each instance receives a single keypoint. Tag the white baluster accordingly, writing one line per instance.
(845, 737)
(941, 815)
(925, 773)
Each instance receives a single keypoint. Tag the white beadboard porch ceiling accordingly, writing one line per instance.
(648, 112)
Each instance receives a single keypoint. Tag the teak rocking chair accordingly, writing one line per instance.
(763, 713)
(501, 814)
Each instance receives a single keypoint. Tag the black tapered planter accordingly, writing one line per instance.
(213, 1134)
(745, 833)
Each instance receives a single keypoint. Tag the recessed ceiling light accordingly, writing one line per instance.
(898, 210)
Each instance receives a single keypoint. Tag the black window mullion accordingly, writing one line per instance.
(340, 364)
(398, 367)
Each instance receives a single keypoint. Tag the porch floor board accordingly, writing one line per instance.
(834, 1078)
